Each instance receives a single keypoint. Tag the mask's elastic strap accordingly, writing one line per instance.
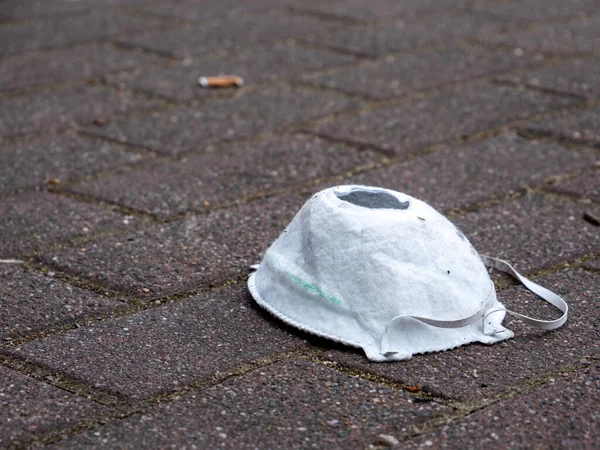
(503, 266)
(457, 323)
(540, 291)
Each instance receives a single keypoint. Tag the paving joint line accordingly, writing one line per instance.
(350, 22)
(123, 409)
(47, 375)
(106, 204)
(162, 27)
(93, 79)
(543, 90)
(346, 21)
(547, 54)
(59, 15)
(565, 141)
(532, 135)
(414, 392)
(465, 409)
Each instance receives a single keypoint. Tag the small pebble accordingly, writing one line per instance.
(387, 440)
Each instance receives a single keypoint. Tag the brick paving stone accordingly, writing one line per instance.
(459, 177)
(573, 77)
(60, 108)
(30, 303)
(182, 130)
(534, 232)
(198, 181)
(374, 10)
(585, 187)
(564, 413)
(29, 408)
(86, 61)
(241, 31)
(31, 221)
(255, 65)
(408, 35)
(30, 163)
(291, 404)
(62, 31)
(448, 115)
(582, 127)
(19, 10)
(403, 74)
(575, 37)
(536, 9)
(477, 371)
(162, 349)
(184, 255)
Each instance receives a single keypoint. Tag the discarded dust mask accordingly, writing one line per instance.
(385, 272)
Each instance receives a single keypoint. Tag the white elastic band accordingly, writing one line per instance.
(456, 323)
(503, 266)
(538, 290)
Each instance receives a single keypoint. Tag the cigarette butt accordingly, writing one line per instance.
(221, 81)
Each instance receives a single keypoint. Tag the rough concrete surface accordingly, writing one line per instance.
(133, 202)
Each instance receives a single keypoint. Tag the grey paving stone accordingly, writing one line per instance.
(86, 61)
(575, 37)
(582, 127)
(403, 74)
(448, 115)
(585, 187)
(162, 349)
(193, 128)
(30, 303)
(536, 9)
(459, 177)
(561, 414)
(477, 371)
(237, 32)
(292, 404)
(374, 10)
(408, 35)
(29, 222)
(30, 163)
(206, 179)
(181, 256)
(60, 108)
(255, 65)
(62, 31)
(575, 77)
(29, 408)
(18, 10)
(533, 232)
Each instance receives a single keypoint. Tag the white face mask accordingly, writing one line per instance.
(383, 271)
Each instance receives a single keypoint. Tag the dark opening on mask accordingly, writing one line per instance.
(372, 199)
